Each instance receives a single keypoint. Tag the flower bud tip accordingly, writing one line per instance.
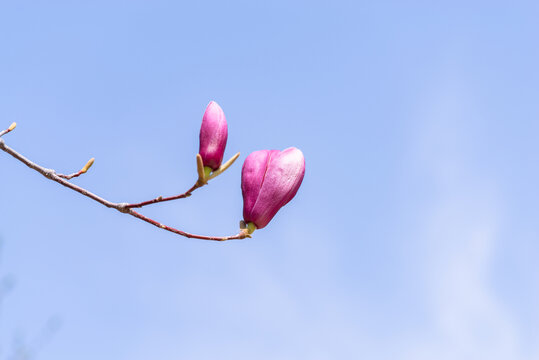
(88, 165)
(269, 180)
(213, 136)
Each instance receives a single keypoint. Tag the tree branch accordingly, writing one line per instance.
(80, 172)
(202, 180)
(124, 208)
(162, 199)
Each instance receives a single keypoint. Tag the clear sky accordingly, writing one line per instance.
(413, 236)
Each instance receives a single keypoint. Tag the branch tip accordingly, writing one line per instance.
(88, 165)
(9, 129)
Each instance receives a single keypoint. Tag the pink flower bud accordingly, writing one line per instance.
(269, 180)
(213, 136)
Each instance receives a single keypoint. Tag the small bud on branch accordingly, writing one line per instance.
(88, 165)
(9, 129)
(80, 172)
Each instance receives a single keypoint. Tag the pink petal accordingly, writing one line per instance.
(213, 136)
(278, 185)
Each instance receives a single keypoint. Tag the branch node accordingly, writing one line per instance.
(244, 233)
(123, 208)
(49, 173)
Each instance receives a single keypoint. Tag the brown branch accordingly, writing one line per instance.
(200, 183)
(10, 128)
(242, 234)
(121, 207)
(162, 199)
(202, 180)
(80, 172)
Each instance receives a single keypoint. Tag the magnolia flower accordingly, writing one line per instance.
(269, 180)
(213, 136)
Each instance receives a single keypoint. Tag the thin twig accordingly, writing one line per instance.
(162, 199)
(70, 176)
(10, 128)
(241, 235)
(80, 172)
(202, 180)
(121, 207)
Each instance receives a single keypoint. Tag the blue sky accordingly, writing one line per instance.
(414, 234)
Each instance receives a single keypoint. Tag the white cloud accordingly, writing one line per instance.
(467, 319)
